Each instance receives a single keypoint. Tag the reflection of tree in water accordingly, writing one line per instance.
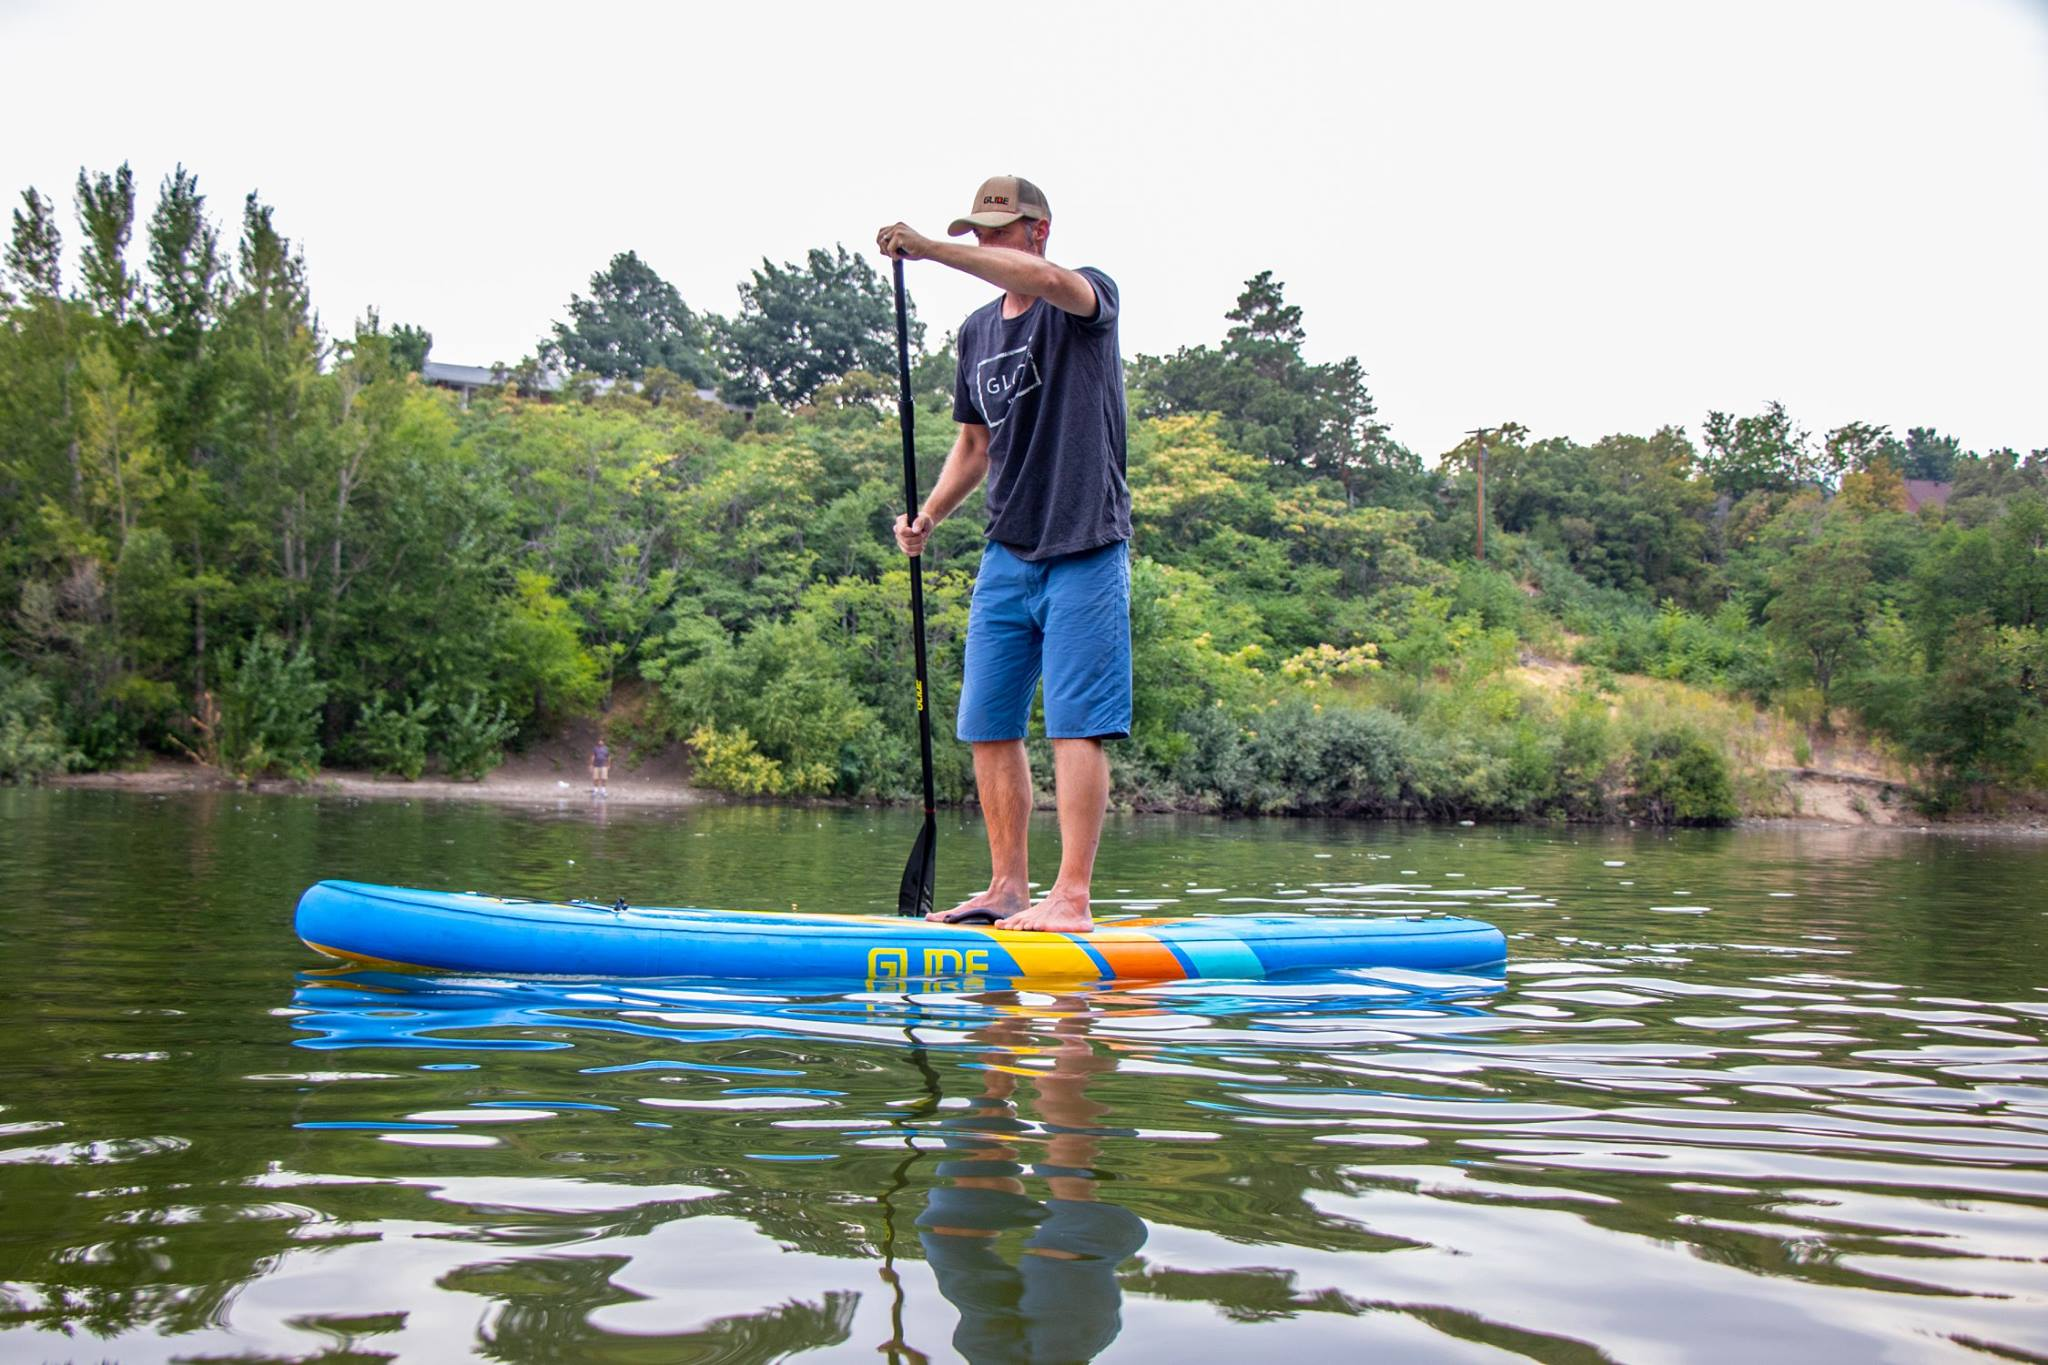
(1269, 1295)
(545, 1306)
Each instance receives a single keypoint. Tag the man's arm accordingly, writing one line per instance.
(1014, 272)
(966, 467)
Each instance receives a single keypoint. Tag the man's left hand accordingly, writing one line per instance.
(902, 240)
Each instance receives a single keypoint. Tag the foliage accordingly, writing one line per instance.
(225, 532)
(31, 742)
(1312, 419)
(1624, 512)
(632, 321)
(1677, 778)
(728, 761)
(1765, 453)
(270, 710)
(801, 327)
(473, 732)
(392, 737)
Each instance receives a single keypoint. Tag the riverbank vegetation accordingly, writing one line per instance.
(232, 534)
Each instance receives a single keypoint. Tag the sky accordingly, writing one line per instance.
(1584, 217)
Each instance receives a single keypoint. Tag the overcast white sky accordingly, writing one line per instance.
(1585, 217)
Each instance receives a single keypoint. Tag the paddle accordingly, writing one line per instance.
(915, 897)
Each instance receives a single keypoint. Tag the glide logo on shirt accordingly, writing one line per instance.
(1001, 380)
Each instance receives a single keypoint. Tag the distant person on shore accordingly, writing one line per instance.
(1039, 399)
(600, 768)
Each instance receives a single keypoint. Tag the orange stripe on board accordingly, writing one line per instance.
(1135, 956)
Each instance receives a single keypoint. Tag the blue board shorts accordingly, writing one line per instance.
(1068, 619)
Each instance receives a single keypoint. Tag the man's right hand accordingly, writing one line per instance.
(900, 239)
(912, 535)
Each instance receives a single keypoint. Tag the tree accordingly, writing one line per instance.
(106, 213)
(38, 372)
(1765, 453)
(35, 250)
(1859, 445)
(1624, 512)
(1822, 607)
(1316, 420)
(185, 302)
(800, 327)
(1930, 455)
(410, 347)
(632, 320)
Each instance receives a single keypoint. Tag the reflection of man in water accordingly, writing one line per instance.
(1060, 1301)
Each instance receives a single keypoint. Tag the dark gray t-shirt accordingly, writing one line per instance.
(1049, 386)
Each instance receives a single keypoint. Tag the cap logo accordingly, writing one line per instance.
(995, 199)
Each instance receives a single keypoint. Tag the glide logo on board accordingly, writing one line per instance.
(1001, 380)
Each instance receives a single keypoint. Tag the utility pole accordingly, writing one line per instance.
(1481, 434)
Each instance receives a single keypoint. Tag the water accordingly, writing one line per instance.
(1758, 1095)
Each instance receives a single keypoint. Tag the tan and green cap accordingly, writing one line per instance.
(1001, 201)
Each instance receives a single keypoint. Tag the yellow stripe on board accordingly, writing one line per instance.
(1042, 954)
(364, 960)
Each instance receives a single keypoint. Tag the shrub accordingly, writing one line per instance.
(1677, 778)
(393, 738)
(1302, 758)
(728, 761)
(270, 710)
(31, 744)
(473, 735)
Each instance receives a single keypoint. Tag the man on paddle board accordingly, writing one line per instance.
(1039, 399)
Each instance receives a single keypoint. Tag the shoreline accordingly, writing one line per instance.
(499, 788)
(528, 787)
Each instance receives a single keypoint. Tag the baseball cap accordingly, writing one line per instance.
(1001, 201)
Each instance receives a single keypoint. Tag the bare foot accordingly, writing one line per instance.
(998, 903)
(1061, 912)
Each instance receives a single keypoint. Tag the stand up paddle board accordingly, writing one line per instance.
(389, 926)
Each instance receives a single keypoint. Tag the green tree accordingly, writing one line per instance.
(184, 302)
(35, 251)
(1623, 512)
(633, 319)
(106, 214)
(1930, 455)
(1859, 446)
(1766, 453)
(1821, 608)
(802, 326)
(410, 347)
(1307, 419)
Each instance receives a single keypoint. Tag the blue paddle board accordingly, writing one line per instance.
(389, 926)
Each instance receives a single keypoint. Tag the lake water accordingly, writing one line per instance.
(1756, 1095)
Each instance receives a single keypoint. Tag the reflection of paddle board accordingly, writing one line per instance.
(448, 931)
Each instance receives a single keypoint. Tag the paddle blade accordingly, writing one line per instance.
(915, 899)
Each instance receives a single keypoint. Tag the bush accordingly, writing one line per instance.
(31, 744)
(727, 761)
(270, 711)
(1306, 759)
(1677, 778)
(393, 738)
(473, 735)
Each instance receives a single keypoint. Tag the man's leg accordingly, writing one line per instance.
(1002, 776)
(1002, 667)
(1081, 782)
(1087, 700)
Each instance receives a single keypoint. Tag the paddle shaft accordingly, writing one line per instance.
(924, 717)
